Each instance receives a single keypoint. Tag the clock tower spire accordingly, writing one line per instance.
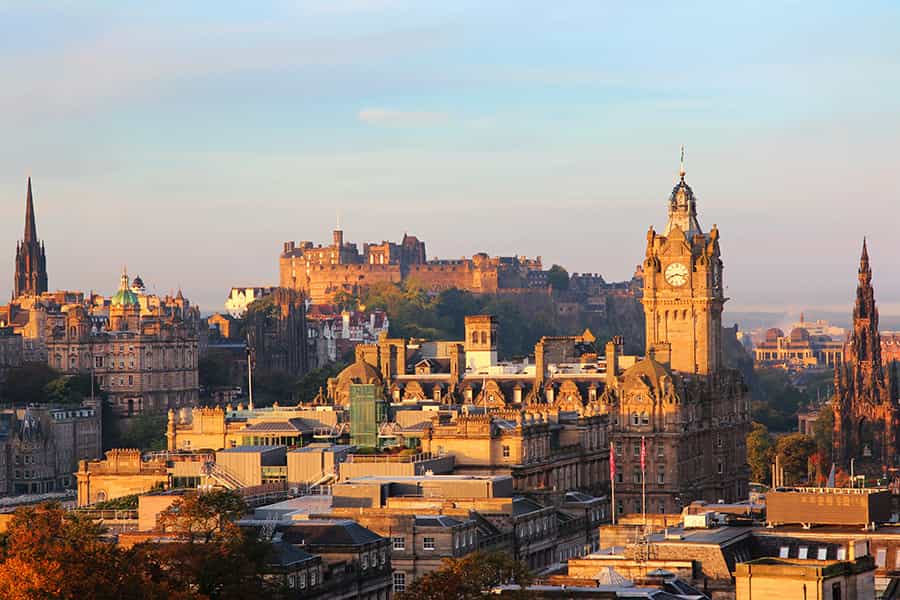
(683, 292)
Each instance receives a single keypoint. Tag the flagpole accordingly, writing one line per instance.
(612, 479)
(644, 483)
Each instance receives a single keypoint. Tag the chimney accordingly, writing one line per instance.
(612, 360)
(661, 353)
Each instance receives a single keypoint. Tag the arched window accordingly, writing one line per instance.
(635, 420)
(73, 332)
(474, 337)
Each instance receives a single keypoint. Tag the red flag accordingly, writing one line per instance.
(643, 454)
(612, 462)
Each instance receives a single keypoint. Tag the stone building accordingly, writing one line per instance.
(43, 446)
(688, 410)
(680, 401)
(142, 349)
(123, 472)
(334, 332)
(800, 349)
(865, 402)
(239, 298)
(277, 334)
(11, 352)
(31, 260)
(322, 272)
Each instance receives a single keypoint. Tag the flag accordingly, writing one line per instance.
(612, 462)
(643, 455)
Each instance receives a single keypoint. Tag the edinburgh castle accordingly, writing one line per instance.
(321, 272)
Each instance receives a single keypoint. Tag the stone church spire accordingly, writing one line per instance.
(865, 415)
(30, 228)
(31, 261)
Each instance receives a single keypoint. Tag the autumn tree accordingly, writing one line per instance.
(760, 452)
(206, 551)
(469, 578)
(50, 553)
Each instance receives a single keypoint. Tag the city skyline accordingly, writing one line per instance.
(495, 133)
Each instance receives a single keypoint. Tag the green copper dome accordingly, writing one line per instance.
(124, 297)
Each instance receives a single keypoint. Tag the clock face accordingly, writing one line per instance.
(676, 274)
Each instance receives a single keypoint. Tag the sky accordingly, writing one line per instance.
(189, 140)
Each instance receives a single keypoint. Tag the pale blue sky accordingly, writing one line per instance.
(189, 140)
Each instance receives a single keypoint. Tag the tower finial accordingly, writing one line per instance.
(30, 227)
(681, 171)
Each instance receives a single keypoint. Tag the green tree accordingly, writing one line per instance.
(28, 383)
(760, 452)
(214, 370)
(794, 451)
(469, 578)
(558, 278)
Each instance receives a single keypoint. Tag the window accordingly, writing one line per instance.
(645, 419)
(399, 582)
(456, 541)
(637, 476)
(803, 553)
(303, 580)
(897, 560)
(635, 420)
(620, 477)
(783, 552)
(383, 557)
(836, 591)
(505, 451)
(842, 553)
(365, 560)
(720, 468)
(313, 577)
(661, 474)
(822, 554)
(373, 558)
(660, 450)
(880, 557)
(428, 543)
(292, 581)
(472, 539)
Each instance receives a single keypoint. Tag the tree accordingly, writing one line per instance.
(209, 553)
(760, 452)
(558, 278)
(50, 553)
(794, 451)
(27, 383)
(469, 578)
(204, 517)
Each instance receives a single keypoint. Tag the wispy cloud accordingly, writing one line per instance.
(387, 117)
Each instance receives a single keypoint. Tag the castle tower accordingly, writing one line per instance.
(865, 416)
(481, 341)
(31, 261)
(683, 294)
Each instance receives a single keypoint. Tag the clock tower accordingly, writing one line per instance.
(683, 293)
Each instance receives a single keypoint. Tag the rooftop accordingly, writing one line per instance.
(251, 449)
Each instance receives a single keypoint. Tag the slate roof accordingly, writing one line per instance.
(289, 426)
(436, 521)
(317, 532)
(286, 555)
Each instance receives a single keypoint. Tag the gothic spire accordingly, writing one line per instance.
(865, 271)
(30, 228)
